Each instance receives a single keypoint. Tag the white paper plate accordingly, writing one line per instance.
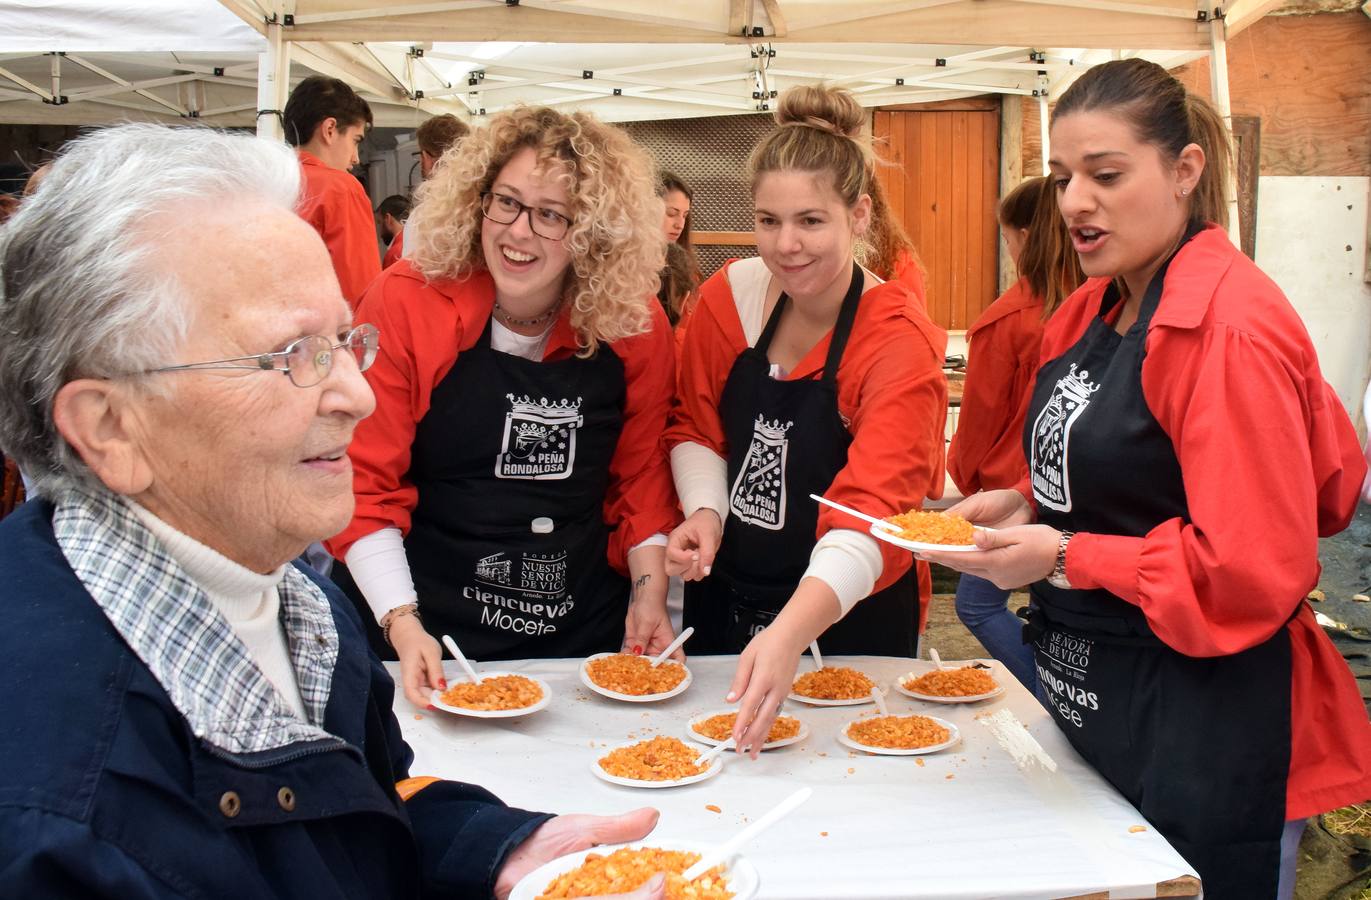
(632, 698)
(956, 736)
(924, 667)
(769, 745)
(815, 701)
(890, 537)
(715, 766)
(743, 879)
(436, 698)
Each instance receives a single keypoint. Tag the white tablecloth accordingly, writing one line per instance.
(968, 823)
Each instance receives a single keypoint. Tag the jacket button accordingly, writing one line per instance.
(230, 805)
(286, 797)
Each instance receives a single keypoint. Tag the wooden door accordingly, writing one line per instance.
(943, 186)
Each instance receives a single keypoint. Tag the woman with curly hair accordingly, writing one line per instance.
(803, 373)
(513, 475)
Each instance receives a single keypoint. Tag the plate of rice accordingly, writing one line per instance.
(620, 869)
(660, 762)
(833, 686)
(633, 679)
(968, 683)
(716, 727)
(931, 530)
(899, 735)
(498, 695)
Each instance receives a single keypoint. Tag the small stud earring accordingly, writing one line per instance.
(1184, 191)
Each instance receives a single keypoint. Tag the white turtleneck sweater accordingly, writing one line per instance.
(248, 601)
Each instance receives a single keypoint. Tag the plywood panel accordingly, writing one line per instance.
(1305, 77)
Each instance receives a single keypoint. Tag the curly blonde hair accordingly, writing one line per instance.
(615, 240)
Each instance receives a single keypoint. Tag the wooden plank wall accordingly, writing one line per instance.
(943, 185)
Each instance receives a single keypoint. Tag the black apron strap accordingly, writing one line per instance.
(842, 329)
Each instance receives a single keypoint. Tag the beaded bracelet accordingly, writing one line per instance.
(409, 609)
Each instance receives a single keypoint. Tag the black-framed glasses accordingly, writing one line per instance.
(306, 361)
(546, 223)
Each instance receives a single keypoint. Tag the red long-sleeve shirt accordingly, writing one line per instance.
(336, 205)
(1270, 463)
(1005, 342)
(890, 388)
(424, 326)
(394, 251)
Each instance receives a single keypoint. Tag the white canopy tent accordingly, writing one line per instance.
(232, 62)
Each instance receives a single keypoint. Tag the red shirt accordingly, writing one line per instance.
(890, 388)
(1270, 463)
(337, 206)
(395, 250)
(908, 272)
(424, 326)
(1005, 343)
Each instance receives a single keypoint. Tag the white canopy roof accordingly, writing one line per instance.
(78, 61)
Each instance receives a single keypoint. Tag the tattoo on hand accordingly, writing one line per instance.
(640, 584)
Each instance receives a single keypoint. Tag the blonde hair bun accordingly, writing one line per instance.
(826, 108)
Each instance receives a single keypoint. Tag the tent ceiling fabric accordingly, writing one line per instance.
(415, 59)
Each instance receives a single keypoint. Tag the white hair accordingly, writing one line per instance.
(81, 294)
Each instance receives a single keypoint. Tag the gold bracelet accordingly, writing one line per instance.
(409, 609)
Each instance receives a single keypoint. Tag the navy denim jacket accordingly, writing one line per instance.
(106, 792)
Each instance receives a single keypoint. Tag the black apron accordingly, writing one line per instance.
(786, 440)
(507, 440)
(1200, 746)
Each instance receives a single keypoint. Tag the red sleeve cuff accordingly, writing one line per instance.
(1105, 561)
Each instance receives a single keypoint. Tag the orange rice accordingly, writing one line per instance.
(833, 683)
(659, 759)
(626, 870)
(720, 727)
(933, 527)
(625, 673)
(498, 692)
(968, 681)
(898, 732)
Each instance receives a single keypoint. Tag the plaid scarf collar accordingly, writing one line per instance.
(192, 651)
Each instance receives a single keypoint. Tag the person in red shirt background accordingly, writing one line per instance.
(326, 121)
(513, 473)
(803, 373)
(390, 218)
(1185, 454)
(435, 136)
(1005, 342)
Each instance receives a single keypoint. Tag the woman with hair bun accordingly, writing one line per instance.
(1005, 342)
(682, 275)
(512, 475)
(1185, 454)
(803, 373)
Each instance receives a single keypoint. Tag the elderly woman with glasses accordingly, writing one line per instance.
(188, 713)
(513, 474)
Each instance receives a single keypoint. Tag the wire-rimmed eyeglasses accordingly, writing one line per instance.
(546, 223)
(307, 361)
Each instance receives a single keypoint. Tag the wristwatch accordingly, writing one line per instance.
(1058, 577)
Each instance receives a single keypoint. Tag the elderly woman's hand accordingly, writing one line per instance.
(1009, 558)
(421, 660)
(569, 834)
(691, 547)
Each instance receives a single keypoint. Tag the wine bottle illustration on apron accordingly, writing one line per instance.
(1052, 438)
(758, 494)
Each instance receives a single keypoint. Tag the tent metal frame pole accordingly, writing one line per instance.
(1043, 128)
(1218, 85)
(273, 84)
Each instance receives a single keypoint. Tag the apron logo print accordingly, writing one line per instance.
(543, 574)
(758, 494)
(540, 438)
(493, 570)
(1052, 438)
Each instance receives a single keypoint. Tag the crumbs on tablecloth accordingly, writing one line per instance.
(712, 808)
(823, 834)
(821, 753)
(950, 776)
(1134, 829)
(850, 770)
(918, 762)
(418, 717)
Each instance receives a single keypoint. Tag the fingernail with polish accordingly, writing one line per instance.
(637, 649)
(732, 695)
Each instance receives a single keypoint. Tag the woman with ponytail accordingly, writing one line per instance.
(803, 373)
(1185, 454)
(1005, 343)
